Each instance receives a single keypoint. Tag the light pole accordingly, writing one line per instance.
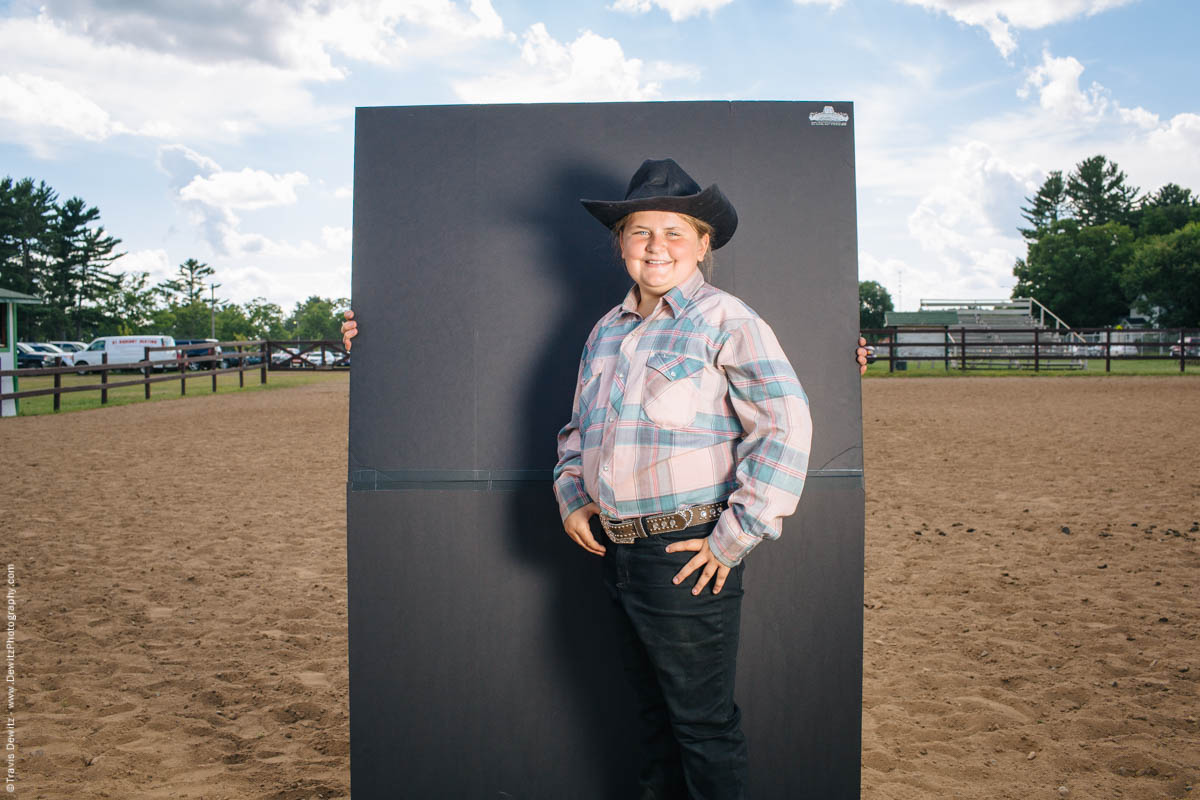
(212, 310)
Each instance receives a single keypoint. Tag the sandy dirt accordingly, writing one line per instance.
(1032, 608)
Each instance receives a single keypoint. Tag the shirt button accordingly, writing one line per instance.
(606, 467)
(612, 417)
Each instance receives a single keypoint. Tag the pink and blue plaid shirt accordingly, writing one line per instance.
(693, 404)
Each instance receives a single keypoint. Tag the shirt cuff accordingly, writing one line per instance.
(571, 494)
(728, 543)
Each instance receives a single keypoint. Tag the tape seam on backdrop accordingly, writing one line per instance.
(487, 480)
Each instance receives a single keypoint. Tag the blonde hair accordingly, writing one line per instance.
(701, 227)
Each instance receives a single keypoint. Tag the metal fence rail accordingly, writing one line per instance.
(259, 354)
(1038, 349)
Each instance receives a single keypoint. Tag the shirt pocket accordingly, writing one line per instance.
(671, 396)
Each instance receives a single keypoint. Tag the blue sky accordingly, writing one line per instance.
(223, 129)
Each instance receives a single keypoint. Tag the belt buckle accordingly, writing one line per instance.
(635, 530)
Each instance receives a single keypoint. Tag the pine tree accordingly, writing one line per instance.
(75, 280)
(27, 214)
(1047, 206)
(1098, 192)
(189, 286)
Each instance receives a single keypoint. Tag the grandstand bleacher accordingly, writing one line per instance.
(1000, 334)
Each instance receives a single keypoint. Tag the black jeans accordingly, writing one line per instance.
(680, 654)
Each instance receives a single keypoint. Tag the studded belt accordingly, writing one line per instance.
(626, 531)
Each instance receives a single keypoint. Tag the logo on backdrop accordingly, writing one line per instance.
(827, 116)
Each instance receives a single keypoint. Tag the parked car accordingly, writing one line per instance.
(192, 352)
(54, 356)
(127, 350)
(232, 358)
(69, 346)
(284, 357)
(323, 357)
(29, 357)
(1191, 345)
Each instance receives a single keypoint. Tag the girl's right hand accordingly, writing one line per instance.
(577, 527)
(349, 330)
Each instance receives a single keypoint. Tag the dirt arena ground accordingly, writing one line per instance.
(1032, 609)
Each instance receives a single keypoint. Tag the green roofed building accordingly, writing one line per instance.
(9, 300)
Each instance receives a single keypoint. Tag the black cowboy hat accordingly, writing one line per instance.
(662, 185)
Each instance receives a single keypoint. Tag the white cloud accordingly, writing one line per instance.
(336, 238)
(1179, 139)
(116, 88)
(1079, 124)
(591, 68)
(213, 195)
(236, 244)
(1056, 81)
(1000, 17)
(300, 36)
(888, 272)
(181, 164)
(343, 192)
(677, 9)
(248, 189)
(833, 4)
(155, 262)
(212, 70)
(968, 220)
(31, 104)
(247, 281)
(1139, 116)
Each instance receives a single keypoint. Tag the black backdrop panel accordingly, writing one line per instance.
(481, 658)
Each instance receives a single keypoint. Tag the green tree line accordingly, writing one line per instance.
(58, 252)
(1096, 249)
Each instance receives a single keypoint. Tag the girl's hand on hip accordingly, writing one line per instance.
(577, 527)
(704, 560)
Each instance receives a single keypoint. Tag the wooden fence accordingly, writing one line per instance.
(261, 355)
(1030, 348)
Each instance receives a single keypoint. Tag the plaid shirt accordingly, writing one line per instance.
(694, 404)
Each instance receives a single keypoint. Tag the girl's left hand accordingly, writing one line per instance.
(349, 330)
(703, 559)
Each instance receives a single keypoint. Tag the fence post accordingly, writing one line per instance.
(946, 347)
(241, 368)
(146, 374)
(1036, 350)
(962, 347)
(1108, 349)
(266, 359)
(57, 385)
(1182, 351)
(214, 365)
(104, 378)
(892, 351)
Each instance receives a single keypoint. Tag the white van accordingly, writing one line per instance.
(126, 350)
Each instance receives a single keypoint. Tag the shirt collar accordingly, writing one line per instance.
(676, 299)
(681, 295)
